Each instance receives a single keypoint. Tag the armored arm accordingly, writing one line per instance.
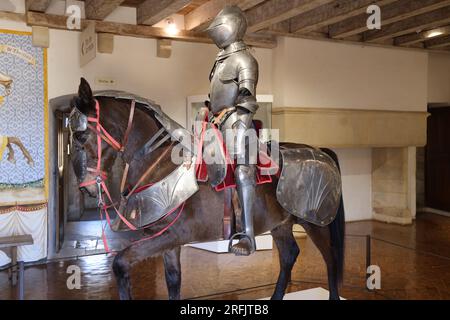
(247, 82)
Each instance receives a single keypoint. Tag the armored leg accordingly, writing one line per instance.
(245, 185)
(245, 154)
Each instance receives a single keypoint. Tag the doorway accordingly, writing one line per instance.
(437, 159)
(78, 226)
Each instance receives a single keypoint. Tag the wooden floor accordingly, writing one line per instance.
(414, 262)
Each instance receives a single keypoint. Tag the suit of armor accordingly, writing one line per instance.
(234, 78)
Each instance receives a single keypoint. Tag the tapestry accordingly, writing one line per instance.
(23, 109)
(30, 220)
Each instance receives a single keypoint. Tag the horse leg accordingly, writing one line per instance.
(122, 269)
(11, 157)
(127, 258)
(288, 252)
(322, 239)
(22, 148)
(172, 268)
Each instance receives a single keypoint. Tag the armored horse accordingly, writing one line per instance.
(166, 206)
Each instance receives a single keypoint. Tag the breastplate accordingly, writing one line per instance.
(224, 89)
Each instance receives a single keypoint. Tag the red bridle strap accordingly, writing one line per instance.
(102, 134)
(124, 220)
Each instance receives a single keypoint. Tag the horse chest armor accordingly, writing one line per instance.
(224, 88)
(163, 197)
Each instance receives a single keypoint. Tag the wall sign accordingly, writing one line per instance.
(88, 44)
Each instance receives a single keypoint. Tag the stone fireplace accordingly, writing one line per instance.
(392, 136)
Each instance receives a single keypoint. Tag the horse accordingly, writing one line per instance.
(9, 141)
(199, 221)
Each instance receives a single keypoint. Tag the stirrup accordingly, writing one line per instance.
(241, 235)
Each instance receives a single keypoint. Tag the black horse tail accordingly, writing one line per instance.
(337, 229)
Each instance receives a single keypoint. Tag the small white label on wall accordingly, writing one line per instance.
(105, 81)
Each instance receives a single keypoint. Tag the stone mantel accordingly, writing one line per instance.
(392, 135)
(350, 128)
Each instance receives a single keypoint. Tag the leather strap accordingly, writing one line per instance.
(129, 126)
(218, 119)
(124, 177)
(149, 170)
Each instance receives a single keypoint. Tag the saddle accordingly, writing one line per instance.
(211, 146)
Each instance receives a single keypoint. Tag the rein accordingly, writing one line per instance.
(101, 176)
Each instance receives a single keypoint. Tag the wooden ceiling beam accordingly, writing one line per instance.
(37, 5)
(151, 12)
(331, 13)
(438, 43)
(138, 31)
(353, 40)
(390, 13)
(427, 20)
(274, 11)
(100, 9)
(201, 17)
(414, 38)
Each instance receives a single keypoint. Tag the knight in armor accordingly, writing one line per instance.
(234, 78)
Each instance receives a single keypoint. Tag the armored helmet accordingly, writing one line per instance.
(228, 26)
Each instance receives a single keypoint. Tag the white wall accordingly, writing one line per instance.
(322, 74)
(356, 169)
(439, 78)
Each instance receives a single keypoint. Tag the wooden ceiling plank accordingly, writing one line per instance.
(274, 11)
(37, 5)
(201, 17)
(414, 38)
(151, 12)
(100, 9)
(331, 13)
(353, 40)
(391, 13)
(138, 31)
(281, 33)
(427, 20)
(441, 42)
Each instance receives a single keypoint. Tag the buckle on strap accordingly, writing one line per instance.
(99, 181)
